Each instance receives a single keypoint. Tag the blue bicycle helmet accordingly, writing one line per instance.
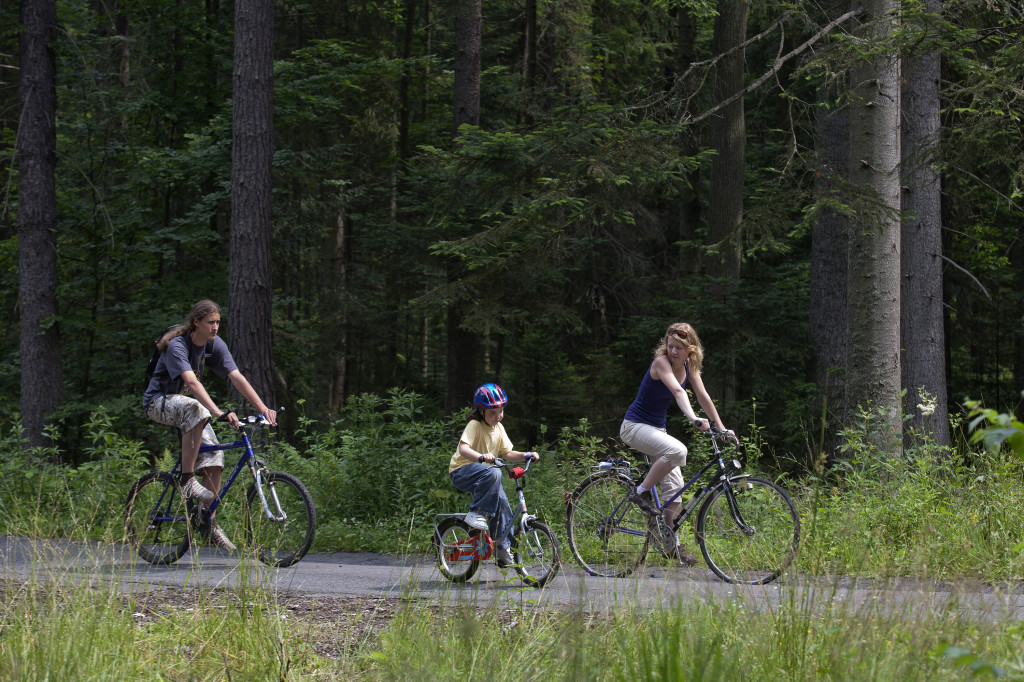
(490, 396)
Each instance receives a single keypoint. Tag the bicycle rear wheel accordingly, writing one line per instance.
(607, 532)
(283, 540)
(452, 533)
(536, 553)
(748, 531)
(156, 519)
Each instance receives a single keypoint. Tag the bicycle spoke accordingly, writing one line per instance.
(536, 554)
(284, 536)
(754, 542)
(156, 520)
(607, 534)
(455, 556)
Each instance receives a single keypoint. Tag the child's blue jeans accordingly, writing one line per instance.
(484, 482)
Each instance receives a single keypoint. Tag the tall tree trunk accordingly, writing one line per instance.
(689, 202)
(41, 380)
(873, 293)
(1017, 256)
(729, 140)
(829, 249)
(339, 375)
(462, 344)
(405, 113)
(250, 329)
(829, 244)
(924, 368)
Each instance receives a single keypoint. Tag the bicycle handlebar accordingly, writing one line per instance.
(499, 462)
(253, 420)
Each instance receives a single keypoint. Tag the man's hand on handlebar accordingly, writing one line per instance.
(230, 417)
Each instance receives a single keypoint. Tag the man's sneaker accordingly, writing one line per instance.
(195, 490)
(219, 538)
(474, 520)
(503, 556)
(644, 501)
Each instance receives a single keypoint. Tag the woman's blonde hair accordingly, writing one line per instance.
(686, 334)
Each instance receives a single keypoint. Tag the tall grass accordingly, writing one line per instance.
(91, 632)
(695, 641)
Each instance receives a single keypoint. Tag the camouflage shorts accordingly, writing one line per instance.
(185, 413)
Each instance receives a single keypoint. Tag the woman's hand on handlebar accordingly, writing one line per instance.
(702, 424)
(728, 433)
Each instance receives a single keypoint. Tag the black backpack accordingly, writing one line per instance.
(154, 358)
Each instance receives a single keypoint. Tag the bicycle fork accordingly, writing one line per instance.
(734, 508)
(258, 476)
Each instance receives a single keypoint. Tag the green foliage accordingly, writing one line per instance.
(994, 429)
(40, 498)
(929, 513)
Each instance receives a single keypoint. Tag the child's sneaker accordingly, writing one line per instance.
(503, 556)
(474, 520)
(195, 490)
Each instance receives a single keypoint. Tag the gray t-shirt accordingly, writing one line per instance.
(183, 355)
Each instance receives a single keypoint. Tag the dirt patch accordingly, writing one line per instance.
(332, 627)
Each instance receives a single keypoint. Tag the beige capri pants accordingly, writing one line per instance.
(656, 443)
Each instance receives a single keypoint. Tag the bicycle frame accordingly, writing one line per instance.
(248, 457)
(725, 475)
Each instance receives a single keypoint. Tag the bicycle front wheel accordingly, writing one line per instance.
(282, 532)
(156, 519)
(536, 554)
(748, 531)
(607, 532)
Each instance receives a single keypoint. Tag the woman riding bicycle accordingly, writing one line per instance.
(677, 358)
(176, 397)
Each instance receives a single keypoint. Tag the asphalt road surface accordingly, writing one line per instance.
(346, 574)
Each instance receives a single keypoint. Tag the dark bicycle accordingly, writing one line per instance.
(747, 527)
(278, 513)
(535, 552)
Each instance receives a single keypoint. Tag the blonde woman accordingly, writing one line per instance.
(677, 359)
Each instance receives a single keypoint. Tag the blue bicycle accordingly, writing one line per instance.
(278, 514)
(747, 527)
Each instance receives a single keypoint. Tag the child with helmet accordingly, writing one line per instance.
(471, 470)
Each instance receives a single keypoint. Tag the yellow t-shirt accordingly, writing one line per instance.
(484, 439)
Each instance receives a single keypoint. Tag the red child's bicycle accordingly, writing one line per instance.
(460, 548)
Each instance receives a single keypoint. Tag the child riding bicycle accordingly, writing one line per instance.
(471, 470)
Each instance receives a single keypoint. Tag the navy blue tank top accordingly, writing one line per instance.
(653, 400)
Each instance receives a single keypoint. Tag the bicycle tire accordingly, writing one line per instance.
(607, 533)
(761, 552)
(453, 531)
(156, 519)
(537, 554)
(280, 543)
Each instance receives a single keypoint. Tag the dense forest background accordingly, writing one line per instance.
(627, 164)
